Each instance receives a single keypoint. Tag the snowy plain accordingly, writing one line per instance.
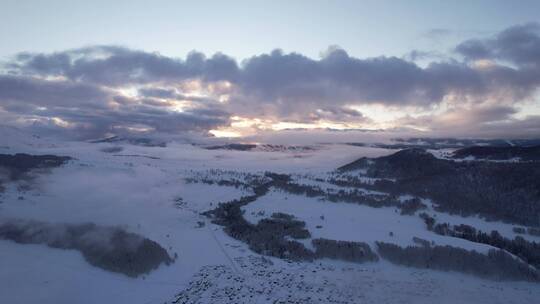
(145, 190)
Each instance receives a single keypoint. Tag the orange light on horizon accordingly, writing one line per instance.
(225, 133)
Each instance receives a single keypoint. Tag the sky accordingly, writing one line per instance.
(87, 69)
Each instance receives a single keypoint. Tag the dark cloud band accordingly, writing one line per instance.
(82, 85)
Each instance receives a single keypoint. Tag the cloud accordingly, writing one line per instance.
(103, 89)
(287, 85)
(518, 44)
(173, 94)
(88, 111)
(479, 122)
(113, 65)
(418, 55)
(292, 80)
(38, 92)
(437, 33)
(335, 78)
